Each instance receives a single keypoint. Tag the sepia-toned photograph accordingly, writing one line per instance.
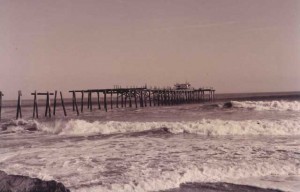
(149, 95)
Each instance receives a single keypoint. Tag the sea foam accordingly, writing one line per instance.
(201, 127)
(268, 105)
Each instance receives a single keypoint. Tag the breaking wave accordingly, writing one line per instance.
(266, 105)
(202, 127)
(195, 173)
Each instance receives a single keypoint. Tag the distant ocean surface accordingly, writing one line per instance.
(253, 140)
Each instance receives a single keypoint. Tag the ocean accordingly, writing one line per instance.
(247, 140)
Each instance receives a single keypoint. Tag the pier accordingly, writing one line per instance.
(138, 97)
(118, 97)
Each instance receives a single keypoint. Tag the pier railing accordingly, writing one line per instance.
(117, 97)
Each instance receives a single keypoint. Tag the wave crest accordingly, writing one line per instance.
(202, 127)
(268, 105)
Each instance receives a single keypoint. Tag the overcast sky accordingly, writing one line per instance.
(232, 45)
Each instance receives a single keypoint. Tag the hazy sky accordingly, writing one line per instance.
(232, 45)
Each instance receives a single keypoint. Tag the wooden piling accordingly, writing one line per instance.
(135, 100)
(105, 104)
(125, 99)
(82, 95)
(122, 99)
(144, 98)
(150, 98)
(117, 105)
(54, 104)
(111, 99)
(76, 106)
(48, 106)
(63, 104)
(130, 103)
(98, 99)
(19, 110)
(154, 98)
(35, 106)
(91, 101)
(73, 101)
(141, 99)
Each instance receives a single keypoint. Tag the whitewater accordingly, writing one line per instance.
(251, 142)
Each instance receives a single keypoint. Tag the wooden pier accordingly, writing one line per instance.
(139, 97)
(105, 99)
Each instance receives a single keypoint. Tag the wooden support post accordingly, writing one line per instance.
(76, 106)
(91, 101)
(125, 99)
(105, 103)
(130, 103)
(35, 107)
(201, 96)
(73, 101)
(54, 104)
(98, 99)
(122, 99)
(168, 97)
(117, 105)
(186, 96)
(150, 98)
(48, 107)
(82, 95)
(154, 98)
(135, 99)
(19, 110)
(141, 99)
(111, 99)
(164, 97)
(63, 104)
(145, 98)
(174, 98)
(180, 97)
